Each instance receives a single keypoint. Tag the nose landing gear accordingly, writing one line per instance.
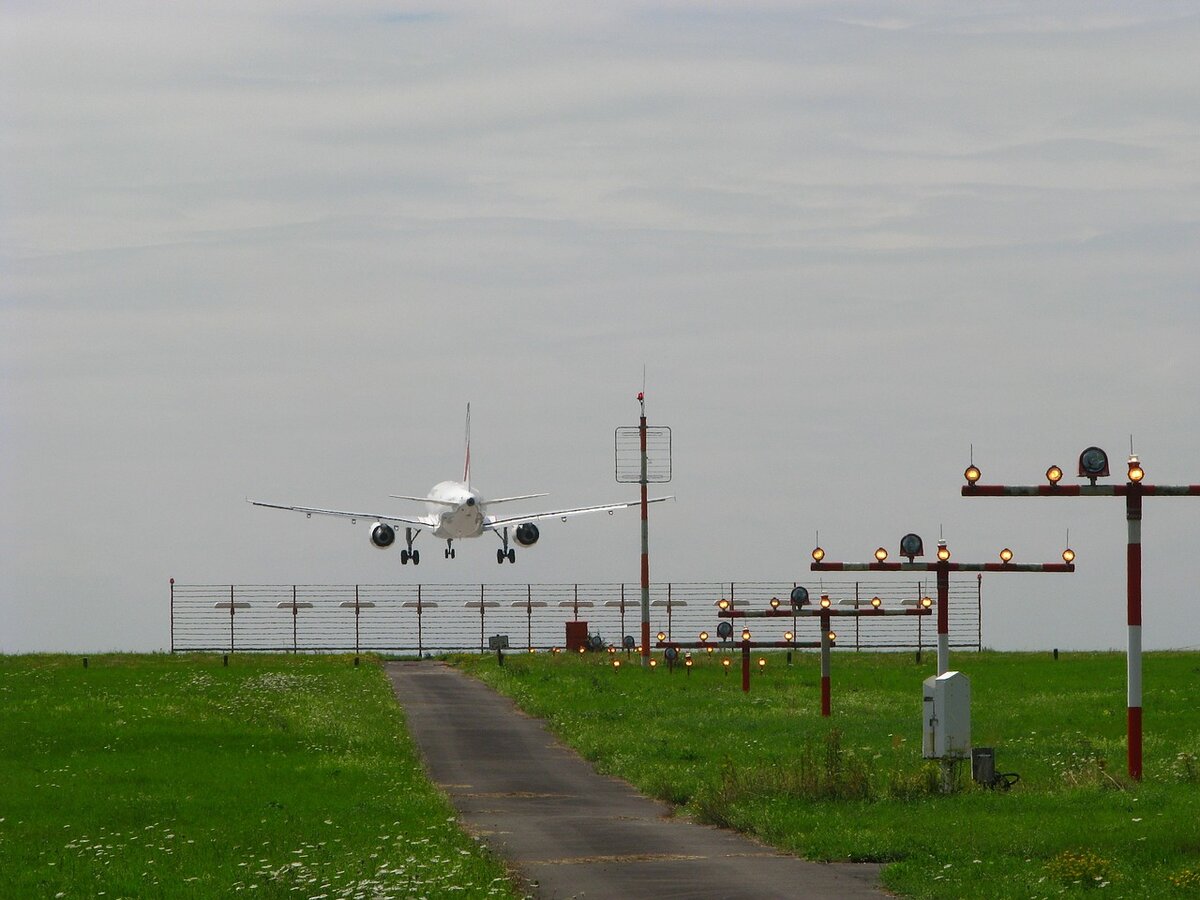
(449, 548)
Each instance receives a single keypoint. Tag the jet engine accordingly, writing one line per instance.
(382, 535)
(527, 534)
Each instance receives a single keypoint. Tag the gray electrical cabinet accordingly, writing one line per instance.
(946, 717)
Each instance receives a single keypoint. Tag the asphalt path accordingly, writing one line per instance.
(569, 832)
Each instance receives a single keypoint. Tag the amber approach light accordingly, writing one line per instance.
(1006, 555)
(616, 664)
(833, 635)
(723, 604)
(787, 635)
(876, 602)
(704, 636)
(762, 662)
(1136, 472)
(972, 474)
(688, 662)
(880, 554)
(1054, 474)
(825, 601)
(943, 551)
(1068, 555)
(653, 663)
(745, 634)
(725, 663)
(926, 602)
(774, 603)
(662, 636)
(818, 554)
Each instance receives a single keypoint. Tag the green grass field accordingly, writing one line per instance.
(855, 787)
(147, 776)
(160, 776)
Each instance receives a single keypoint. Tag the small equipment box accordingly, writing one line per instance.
(946, 718)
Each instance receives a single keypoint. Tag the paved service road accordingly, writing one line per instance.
(570, 832)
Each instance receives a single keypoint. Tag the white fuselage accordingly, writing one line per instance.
(458, 512)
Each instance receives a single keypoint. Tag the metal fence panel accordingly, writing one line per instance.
(430, 618)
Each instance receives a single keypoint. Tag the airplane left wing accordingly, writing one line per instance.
(312, 510)
(495, 523)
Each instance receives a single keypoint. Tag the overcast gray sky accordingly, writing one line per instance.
(272, 250)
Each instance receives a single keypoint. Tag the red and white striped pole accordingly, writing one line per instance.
(1133, 662)
(943, 615)
(745, 665)
(645, 539)
(825, 685)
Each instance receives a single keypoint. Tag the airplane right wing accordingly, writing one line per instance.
(564, 513)
(417, 521)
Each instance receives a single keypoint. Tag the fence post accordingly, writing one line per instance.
(623, 615)
(420, 641)
(856, 644)
(979, 611)
(920, 589)
(172, 615)
(480, 618)
(668, 610)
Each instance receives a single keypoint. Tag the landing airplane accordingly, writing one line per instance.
(455, 511)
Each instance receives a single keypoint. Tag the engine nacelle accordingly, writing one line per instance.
(382, 535)
(527, 534)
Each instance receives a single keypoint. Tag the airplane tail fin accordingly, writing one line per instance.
(467, 464)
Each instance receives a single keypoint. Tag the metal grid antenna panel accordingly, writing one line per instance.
(629, 454)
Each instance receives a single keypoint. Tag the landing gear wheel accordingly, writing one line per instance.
(416, 557)
(404, 557)
(512, 556)
(452, 552)
(500, 556)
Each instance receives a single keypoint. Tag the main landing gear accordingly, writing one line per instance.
(449, 548)
(505, 553)
(410, 553)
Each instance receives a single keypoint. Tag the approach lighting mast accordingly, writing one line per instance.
(1093, 464)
